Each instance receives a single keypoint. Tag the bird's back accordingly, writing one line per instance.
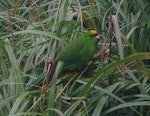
(78, 52)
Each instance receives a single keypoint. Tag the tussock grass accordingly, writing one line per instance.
(33, 32)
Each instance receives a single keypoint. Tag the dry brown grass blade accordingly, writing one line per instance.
(16, 7)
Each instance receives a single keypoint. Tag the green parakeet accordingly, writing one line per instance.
(79, 51)
(74, 56)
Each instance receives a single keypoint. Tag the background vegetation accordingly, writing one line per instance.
(32, 33)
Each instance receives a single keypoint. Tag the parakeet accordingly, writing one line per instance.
(74, 56)
(79, 51)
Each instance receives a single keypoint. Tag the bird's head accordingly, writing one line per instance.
(95, 34)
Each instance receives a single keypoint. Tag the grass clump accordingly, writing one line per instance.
(31, 35)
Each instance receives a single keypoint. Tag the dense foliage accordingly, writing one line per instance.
(32, 32)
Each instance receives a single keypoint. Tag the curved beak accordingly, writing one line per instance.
(98, 37)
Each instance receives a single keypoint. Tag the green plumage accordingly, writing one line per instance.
(78, 52)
